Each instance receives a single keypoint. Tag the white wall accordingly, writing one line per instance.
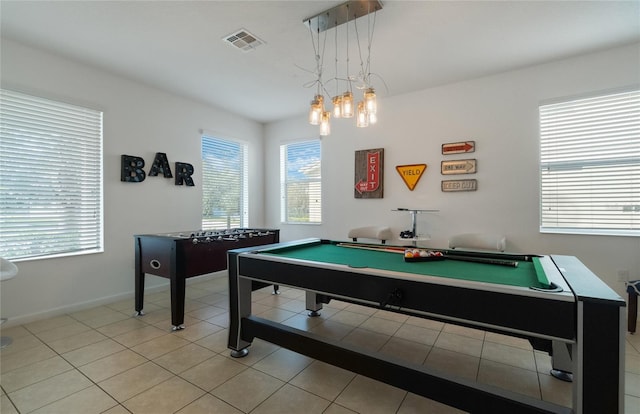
(138, 120)
(499, 113)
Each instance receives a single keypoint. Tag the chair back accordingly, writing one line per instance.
(380, 233)
(479, 241)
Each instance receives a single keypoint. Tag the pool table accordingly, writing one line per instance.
(548, 299)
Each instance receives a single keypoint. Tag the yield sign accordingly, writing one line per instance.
(411, 174)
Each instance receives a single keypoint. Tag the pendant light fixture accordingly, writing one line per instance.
(343, 104)
(337, 106)
(371, 104)
(346, 105)
(316, 110)
(362, 119)
(325, 126)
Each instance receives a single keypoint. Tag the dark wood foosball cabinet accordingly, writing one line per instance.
(178, 256)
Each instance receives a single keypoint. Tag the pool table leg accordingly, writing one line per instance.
(561, 361)
(632, 313)
(239, 308)
(598, 374)
(312, 303)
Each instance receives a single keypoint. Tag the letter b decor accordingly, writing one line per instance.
(132, 169)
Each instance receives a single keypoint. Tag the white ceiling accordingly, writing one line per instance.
(177, 45)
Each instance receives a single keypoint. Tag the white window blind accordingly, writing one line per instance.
(50, 178)
(590, 165)
(301, 184)
(225, 176)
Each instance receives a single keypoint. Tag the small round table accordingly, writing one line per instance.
(8, 271)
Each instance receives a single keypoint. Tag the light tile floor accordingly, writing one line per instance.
(103, 360)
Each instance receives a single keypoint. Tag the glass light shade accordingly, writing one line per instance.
(337, 106)
(362, 120)
(347, 105)
(370, 100)
(373, 118)
(316, 110)
(325, 126)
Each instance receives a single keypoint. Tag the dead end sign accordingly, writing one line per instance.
(411, 174)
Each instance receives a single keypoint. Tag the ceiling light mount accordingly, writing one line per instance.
(341, 14)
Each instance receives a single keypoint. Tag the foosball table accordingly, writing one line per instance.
(178, 256)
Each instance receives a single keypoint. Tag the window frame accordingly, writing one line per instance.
(242, 171)
(565, 157)
(285, 181)
(57, 193)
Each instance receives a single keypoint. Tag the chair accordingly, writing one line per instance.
(8, 271)
(493, 242)
(371, 232)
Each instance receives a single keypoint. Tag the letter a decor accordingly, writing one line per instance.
(369, 168)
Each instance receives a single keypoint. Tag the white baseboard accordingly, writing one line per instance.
(76, 307)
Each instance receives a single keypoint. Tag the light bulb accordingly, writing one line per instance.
(370, 100)
(362, 119)
(337, 106)
(347, 105)
(325, 126)
(373, 118)
(316, 110)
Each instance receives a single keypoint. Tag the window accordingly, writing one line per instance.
(50, 178)
(225, 195)
(300, 182)
(590, 165)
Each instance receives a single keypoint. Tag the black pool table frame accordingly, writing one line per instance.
(588, 317)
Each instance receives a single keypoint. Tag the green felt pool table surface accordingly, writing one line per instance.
(528, 273)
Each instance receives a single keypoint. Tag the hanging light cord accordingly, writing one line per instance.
(366, 69)
(348, 76)
(370, 42)
(319, 56)
(336, 55)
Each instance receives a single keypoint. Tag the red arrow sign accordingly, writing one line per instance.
(458, 147)
(362, 186)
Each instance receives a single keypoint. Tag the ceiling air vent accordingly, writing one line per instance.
(243, 40)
